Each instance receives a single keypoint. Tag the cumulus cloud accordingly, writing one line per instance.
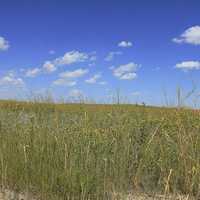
(74, 74)
(128, 76)
(126, 72)
(189, 36)
(32, 72)
(4, 44)
(68, 58)
(93, 79)
(125, 44)
(64, 82)
(112, 54)
(71, 57)
(11, 80)
(66, 78)
(188, 65)
(48, 66)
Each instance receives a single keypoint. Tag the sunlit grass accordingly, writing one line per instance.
(91, 151)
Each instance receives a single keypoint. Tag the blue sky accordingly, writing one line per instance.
(94, 47)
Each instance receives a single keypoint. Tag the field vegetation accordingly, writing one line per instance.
(80, 151)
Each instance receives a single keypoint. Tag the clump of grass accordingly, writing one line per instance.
(91, 151)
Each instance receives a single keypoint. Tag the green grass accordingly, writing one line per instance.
(91, 151)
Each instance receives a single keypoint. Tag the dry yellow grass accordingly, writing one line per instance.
(88, 151)
(10, 195)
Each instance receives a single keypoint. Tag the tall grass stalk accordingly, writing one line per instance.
(93, 151)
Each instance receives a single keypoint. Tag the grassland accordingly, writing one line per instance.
(80, 151)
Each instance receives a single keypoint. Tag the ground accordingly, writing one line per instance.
(9, 195)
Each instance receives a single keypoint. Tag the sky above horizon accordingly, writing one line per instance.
(93, 48)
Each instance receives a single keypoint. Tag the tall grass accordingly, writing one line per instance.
(92, 151)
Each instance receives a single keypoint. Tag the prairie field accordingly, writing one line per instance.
(81, 151)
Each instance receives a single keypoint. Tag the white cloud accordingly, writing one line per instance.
(188, 65)
(112, 54)
(49, 67)
(68, 58)
(4, 44)
(125, 44)
(64, 82)
(74, 74)
(66, 78)
(11, 80)
(128, 76)
(189, 36)
(71, 57)
(32, 72)
(93, 79)
(126, 72)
